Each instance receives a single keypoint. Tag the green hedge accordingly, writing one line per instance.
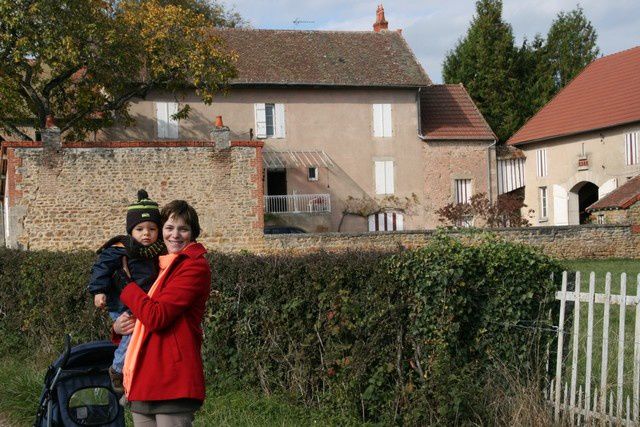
(405, 337)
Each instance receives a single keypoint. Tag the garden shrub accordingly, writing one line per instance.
(404, 337)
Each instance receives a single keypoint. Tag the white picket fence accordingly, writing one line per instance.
(593, 401)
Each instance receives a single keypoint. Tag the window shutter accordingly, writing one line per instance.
(631, 148)
(386, 120)
(261, 120)
(172, 124)
(389, 177)
(607, 187)
(399, 221)
(372, 223)
(279, 121)
(162, 119)
(378, 125)
(380, 177)
(560, 205)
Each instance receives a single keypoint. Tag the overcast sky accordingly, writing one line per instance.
(432, 27)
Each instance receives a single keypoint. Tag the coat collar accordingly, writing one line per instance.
(194, 250)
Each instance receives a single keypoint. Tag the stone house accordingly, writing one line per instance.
(584, 143)
(347, 118)
(621, 206)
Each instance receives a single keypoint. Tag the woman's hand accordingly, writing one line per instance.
(124, 324)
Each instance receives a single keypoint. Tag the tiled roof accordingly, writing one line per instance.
(448, 112)
(620, 198)
(605, 94)
(335, 58)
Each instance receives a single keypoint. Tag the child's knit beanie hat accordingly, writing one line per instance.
(144, 209)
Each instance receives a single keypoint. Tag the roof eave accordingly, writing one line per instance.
(547, 138)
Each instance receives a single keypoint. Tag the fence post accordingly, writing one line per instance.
(563, 302)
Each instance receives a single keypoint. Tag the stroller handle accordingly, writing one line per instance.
(67, 350)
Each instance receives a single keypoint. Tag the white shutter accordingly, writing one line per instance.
(386, 120)
(399, 222)
(279, 121)
(372, 223)
(261, 120)
(541, 160)
(162, 119)
(389, 187)
(378, 124)
(380, 177)
(560, 205)
(172, 124)
(607, 187)
(631, 148)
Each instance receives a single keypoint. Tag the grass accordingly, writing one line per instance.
(600, 268)
(21, 383)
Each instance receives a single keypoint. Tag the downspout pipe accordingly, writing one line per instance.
(489, 147)
(419, 97)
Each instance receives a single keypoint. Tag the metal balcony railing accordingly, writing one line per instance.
(298, 203)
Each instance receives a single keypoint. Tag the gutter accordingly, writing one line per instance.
(492, 145)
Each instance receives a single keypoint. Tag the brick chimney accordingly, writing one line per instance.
(221, 134)
(381, 23)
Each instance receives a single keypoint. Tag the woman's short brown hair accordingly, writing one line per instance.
(183, 210)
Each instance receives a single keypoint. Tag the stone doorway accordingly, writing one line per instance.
(581, 196)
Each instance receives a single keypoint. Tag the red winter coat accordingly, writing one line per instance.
(169, 364)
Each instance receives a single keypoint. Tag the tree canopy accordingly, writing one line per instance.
(84, 61)
(510, 84)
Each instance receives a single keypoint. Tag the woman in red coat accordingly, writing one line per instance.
(163, 374)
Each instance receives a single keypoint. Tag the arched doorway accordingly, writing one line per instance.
(581, 196)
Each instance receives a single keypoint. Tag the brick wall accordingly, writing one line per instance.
(569, 242)
(76, 197)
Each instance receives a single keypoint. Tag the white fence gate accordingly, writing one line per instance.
(586, 399)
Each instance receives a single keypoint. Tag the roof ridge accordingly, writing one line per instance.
(289, 30)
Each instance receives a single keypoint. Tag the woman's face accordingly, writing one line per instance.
(176, 234)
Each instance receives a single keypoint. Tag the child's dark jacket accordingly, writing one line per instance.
(143, 271)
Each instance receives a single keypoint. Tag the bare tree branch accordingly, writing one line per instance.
(59, 79)
(14, 130)
(138, 92)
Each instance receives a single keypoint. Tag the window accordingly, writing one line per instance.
(382, 120)
(384, 176)
(386, 221)
(269, 120)
(312, 174)
(631, 148)
(463, 191)
(167, 125)
(541, 162)
(601, 219)
(543, 202)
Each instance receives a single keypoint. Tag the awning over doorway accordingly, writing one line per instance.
(272, 159)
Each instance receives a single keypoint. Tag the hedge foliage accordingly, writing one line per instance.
(405, 337)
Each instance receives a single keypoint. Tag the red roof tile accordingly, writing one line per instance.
(335, 58)
(449, 113)
(620, 198)
(605, 94)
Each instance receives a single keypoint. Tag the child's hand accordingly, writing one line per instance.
(100, 300)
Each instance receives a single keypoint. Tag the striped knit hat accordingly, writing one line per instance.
(144, 209)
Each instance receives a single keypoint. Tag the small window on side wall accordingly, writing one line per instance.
(382, 124)
(542, 191)
(631, 148)
(312, 173)
(167, 126)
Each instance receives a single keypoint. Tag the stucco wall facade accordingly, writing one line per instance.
(605, 153)
(76, 197)
(338, 121)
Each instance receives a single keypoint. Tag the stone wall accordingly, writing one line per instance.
(75, 197)
(446, 161)
(569, 242)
